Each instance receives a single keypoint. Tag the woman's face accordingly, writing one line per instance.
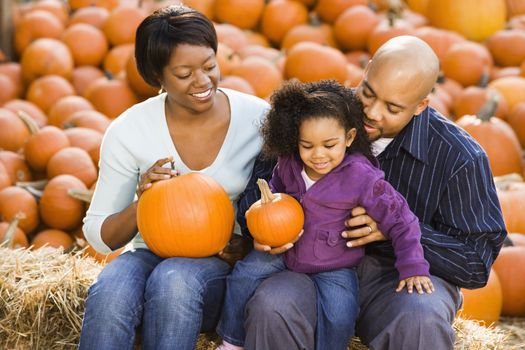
(191, 77)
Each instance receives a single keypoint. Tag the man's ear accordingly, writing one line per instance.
(422, 105)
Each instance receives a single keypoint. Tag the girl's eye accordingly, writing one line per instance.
(329, 146)
(366, 93)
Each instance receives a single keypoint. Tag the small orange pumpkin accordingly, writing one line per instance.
(15, 200)
(483, 304)
(11, 235)
(186, 216)
(52, 238)
(510, 267)
(275, 219)
(279, 16)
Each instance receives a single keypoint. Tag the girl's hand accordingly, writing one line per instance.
(362, 229)
(277, 250)
(156, 173)
(422, 283)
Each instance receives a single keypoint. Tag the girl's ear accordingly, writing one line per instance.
(350, 136)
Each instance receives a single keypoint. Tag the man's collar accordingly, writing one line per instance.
(413, 139)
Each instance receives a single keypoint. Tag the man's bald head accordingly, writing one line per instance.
(409, 61)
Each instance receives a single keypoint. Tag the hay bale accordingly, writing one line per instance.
(42, 295)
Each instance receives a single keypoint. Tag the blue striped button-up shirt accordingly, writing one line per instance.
(446, 179)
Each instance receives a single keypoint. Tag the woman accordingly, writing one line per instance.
(199, 128)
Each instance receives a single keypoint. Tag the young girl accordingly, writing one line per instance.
(325, 162)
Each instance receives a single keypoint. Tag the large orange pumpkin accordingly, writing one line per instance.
(483, 304)
(15, 200)
(510, 267)
(513, 206)
(244, 14)
(475, 19)
(52, 238)
(497, 139)
(353, 27)
(303, 61)
(188, 215)
(275, 219)
(280, 16)
(43, 145)
(44, 57)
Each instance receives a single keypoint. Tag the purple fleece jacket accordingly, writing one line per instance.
(327, 204)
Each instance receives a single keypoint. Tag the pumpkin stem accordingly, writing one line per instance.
(31, 124)
(484, 80)
(266, 194)
(11, 229)
(39, 184)
(395, 10)
(504, 182)
(81, 194)
(314, 20)
(487, 110)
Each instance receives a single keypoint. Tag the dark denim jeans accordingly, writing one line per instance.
(336, 300)
(173, 300)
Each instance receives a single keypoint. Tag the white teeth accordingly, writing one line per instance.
(203, 94)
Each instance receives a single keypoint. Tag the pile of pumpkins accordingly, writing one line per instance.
(75, 72)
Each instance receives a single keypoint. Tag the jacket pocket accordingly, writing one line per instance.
(329, 245)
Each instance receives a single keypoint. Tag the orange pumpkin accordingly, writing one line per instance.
(512, 89)
(43, 145)
(440, 40)
(136, 82)
(507, 47)
(47, 90)
(117, 58)
(515, 7)
(510, 267)
(15, 166)
(275, 219)
(122, 23)
(472, 98)
(303, 60)
(330, 10)
(516, 120)
(14, 132)
(73, 161)
(87, 119)
(513, 207)
(15, 200)
(230, 35)
(237, 83)
(244, 14)
(467, 63)
(5, 180)
(45, 57)
(262, 75)
(57, 208)
(279, 16)
(13, 70)
(35, 25)
(387, 29)
(475, 19)
(11, 235)
(353, 27)
(58, 8)
(65, 107)
(29, 108)
(87, 44)
(102, 258)
(8, 89)
(52, 238)
(111, 97)
(315, 31)
(483, 304)
(188, 215)
(496, 137)
(93, 15)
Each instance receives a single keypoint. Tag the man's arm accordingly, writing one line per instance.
(262, 169)
(468, 229)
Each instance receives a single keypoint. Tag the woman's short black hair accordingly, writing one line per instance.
(295, 102)
(160, 33)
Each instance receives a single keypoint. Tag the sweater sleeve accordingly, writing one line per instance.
(397, 222)
(115, 189)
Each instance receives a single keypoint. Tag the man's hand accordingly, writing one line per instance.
(358, 234)
(276, 250)
(237, 249)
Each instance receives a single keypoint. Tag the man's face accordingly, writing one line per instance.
(390, 102)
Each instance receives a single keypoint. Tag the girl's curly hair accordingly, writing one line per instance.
(295, 102)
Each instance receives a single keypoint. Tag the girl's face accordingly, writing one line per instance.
(322, 145)
(191, 77)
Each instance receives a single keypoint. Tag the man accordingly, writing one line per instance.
(446, 179)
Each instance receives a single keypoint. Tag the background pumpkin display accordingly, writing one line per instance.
(72, 91)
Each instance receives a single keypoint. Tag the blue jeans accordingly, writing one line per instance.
(173, 300)
(336, 300)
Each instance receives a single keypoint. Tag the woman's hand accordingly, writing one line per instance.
(156, 173)
(276, 250)
(238, 247)
(361, 235)
(422, 284)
